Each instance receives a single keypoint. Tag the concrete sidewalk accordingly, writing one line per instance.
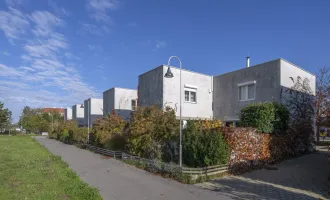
(119, 181)
(302, 178)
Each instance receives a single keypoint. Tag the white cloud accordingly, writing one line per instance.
(13, 23)
(160, 44)
(42, 69)
(58, 10)
(99, 9)
(45, 22)
(99, 12)
(6, 53)
(69, 55)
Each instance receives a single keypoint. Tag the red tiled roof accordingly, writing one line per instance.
(59, 110)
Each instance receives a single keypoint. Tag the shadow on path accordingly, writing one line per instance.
(304, 177)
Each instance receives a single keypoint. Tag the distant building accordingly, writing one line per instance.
(120, 100)
(155, 89)
(93, 109)
(53, 110)
(67, 114)
(78, 114)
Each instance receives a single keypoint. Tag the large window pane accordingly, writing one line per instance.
(251, 91)
(242, 93)
(193, 96)
(186, 95)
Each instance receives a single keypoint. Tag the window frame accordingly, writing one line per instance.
(190, 90)
(246, 86)
(133, 108)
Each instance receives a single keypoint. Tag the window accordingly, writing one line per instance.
(133, 104)
(247, 91)
(190, 95)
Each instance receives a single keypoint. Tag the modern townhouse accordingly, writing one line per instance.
(223, 96)
(93, 109)
(67, 114)
(121, 100)
(253, 84)
(78, 114)
(155, 89)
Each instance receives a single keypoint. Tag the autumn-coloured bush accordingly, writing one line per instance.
(149, 130)
(252, 149)
(107, 131)
(203, 147)
(208, 124)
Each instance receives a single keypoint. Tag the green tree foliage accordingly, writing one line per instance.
(282, 118)
(203, 147)
(36, 121)
(150, 130)
(5, 117)
(108, 132)
(68, 132)
(260, 116)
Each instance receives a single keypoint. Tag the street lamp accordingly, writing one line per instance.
(169, 74)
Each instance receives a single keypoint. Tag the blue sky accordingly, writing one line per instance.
(58, 53)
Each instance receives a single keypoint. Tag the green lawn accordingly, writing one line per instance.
(29, 171)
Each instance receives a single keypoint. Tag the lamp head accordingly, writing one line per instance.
(169, 74)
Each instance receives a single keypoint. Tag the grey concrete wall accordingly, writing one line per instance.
(78, 114)
(108, 101)
(226, 104)
(93, 109)
(67, 114)
(151, 88)
(200, 82)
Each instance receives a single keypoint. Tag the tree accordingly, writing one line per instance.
(5, 117)
(322, 99)
(300, 101)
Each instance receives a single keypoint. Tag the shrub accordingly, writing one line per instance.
(149, 130)
(260, 116)
(282, 117)
(209, 124)
(80, 135)
(107, 129)
(269, 117)
(203, 148)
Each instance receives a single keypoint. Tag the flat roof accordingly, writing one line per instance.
(175, 68)
(278, 59)
(120, 88)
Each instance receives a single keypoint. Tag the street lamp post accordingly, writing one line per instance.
(88, 120)
(169, 74)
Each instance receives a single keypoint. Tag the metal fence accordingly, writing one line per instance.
(161, 166)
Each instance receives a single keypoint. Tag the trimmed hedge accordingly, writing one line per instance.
(269, 117)
(203, 147)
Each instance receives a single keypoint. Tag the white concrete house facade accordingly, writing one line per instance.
(93, 109)
(121, 100)
(155, 89)
(67, 114)
(78, 114)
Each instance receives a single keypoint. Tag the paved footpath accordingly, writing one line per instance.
(119, 181)
(301, 178)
